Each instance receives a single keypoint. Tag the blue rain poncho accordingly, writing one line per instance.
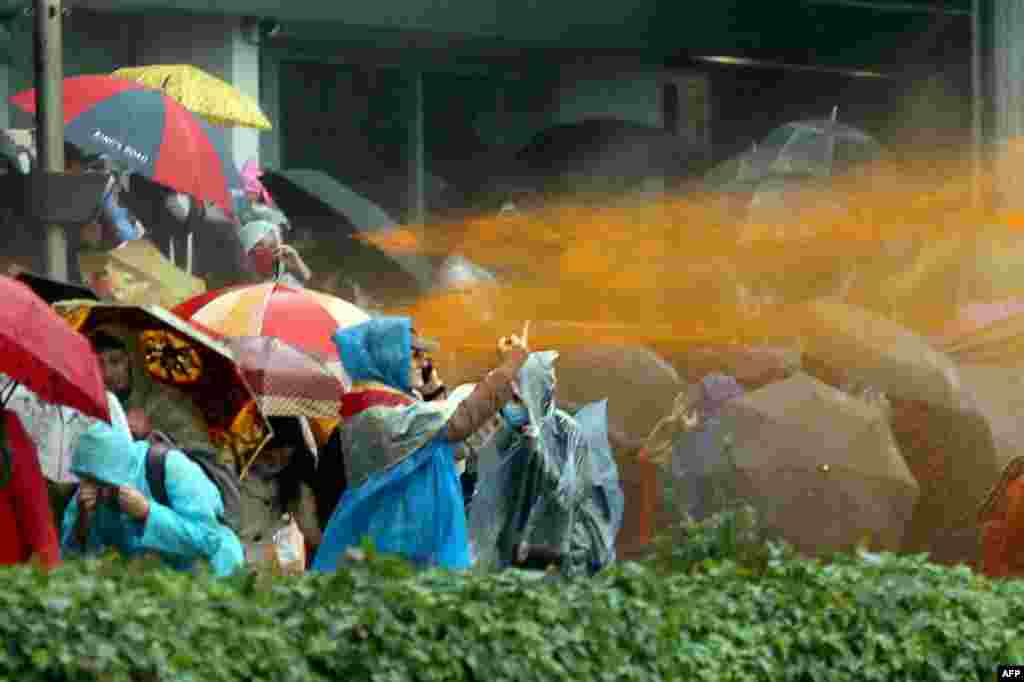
(404, 491)
(187, 531)
(548, 478)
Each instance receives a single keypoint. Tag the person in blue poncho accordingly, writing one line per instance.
(404, 492)
(115, 508)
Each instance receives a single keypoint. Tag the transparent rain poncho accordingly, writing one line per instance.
(547, 479)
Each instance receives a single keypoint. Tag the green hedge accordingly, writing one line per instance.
(720, 606)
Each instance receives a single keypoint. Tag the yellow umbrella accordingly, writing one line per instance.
(218, 102)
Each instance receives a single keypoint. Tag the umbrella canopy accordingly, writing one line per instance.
(140, 275)
(302, 318)
(314, 199)
(391, 191)
(811, 147)
(955, 277)
(1000, 343)
(639, 385)
(953, 456)
(145, 131)
(174, 353)
(218, 102)
(753, 366)
(972, 318)
(40, 352)
(52, 290)
(874, 351)
(304, 192)
(999, 394)
(288, 382)
(821, 467)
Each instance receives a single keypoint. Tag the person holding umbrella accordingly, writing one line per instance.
(26, 524)
(41, 352)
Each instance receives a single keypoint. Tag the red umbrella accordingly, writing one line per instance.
(286, 381)
(40, 351)
(302, 318)
(144, 130)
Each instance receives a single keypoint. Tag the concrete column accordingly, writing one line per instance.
(270, 101)
(417, 209)
(1007, 28)
(218, 45)
(242, 69)
(5, 92)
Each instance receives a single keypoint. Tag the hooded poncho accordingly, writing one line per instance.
(548, 479)
(180, 534)
(405, 493)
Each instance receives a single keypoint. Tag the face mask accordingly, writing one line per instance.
(262, 260)
(516, 415)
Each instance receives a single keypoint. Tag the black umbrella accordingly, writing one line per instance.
(336, 215)
(304, 193)
(52, 290)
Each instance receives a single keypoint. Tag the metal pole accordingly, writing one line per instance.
(49, 76)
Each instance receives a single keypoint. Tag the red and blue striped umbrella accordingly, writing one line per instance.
(145, 131)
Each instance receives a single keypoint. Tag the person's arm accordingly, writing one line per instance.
(79, 535)
(294, 262)
(190, 527)
(489, 396)
(31, 500)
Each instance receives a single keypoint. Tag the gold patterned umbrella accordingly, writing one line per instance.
(176, 354)
(218, 102)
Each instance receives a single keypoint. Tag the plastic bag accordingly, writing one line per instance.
(602, 470)
(284, 553)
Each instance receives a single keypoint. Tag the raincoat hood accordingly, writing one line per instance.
(253, 212)
(537, 384)
(716, 390)
(110, 456)
(377, 350)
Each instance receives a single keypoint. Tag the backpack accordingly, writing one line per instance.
(221, 475)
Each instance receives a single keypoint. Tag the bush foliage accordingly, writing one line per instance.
(716, 605)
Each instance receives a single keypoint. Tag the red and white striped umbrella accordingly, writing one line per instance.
(302, 318)
(286, 381)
